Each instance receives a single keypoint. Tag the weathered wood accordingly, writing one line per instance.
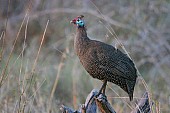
(104, 105)
(92, 102)
(88, 107)
(143, 105)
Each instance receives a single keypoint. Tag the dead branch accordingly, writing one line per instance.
(143, 105)
(104, 106)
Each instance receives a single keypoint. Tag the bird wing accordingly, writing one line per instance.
(115, 62)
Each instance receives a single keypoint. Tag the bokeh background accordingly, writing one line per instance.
(40, 71)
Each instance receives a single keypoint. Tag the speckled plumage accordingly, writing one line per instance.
(104, 62)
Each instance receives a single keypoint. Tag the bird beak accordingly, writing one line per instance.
(73, 21)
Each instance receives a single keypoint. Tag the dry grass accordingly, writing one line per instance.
(40, 71)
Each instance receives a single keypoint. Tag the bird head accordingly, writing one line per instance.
(78, 21)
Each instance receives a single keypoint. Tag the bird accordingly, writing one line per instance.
(103, 61)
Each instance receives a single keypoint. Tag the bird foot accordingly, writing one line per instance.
(103, 94)
(97, 94)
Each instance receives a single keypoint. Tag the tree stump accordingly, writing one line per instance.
(101, 102)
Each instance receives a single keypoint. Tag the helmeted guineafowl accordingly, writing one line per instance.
(103, 61)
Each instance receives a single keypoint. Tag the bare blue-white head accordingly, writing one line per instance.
(78, 21)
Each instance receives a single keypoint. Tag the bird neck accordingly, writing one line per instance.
(81, 32)
(81, 40)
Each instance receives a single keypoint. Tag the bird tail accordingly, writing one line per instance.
(130, 87)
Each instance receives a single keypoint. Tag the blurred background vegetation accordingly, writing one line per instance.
(33, 81)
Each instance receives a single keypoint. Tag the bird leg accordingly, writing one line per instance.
(103, 88)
